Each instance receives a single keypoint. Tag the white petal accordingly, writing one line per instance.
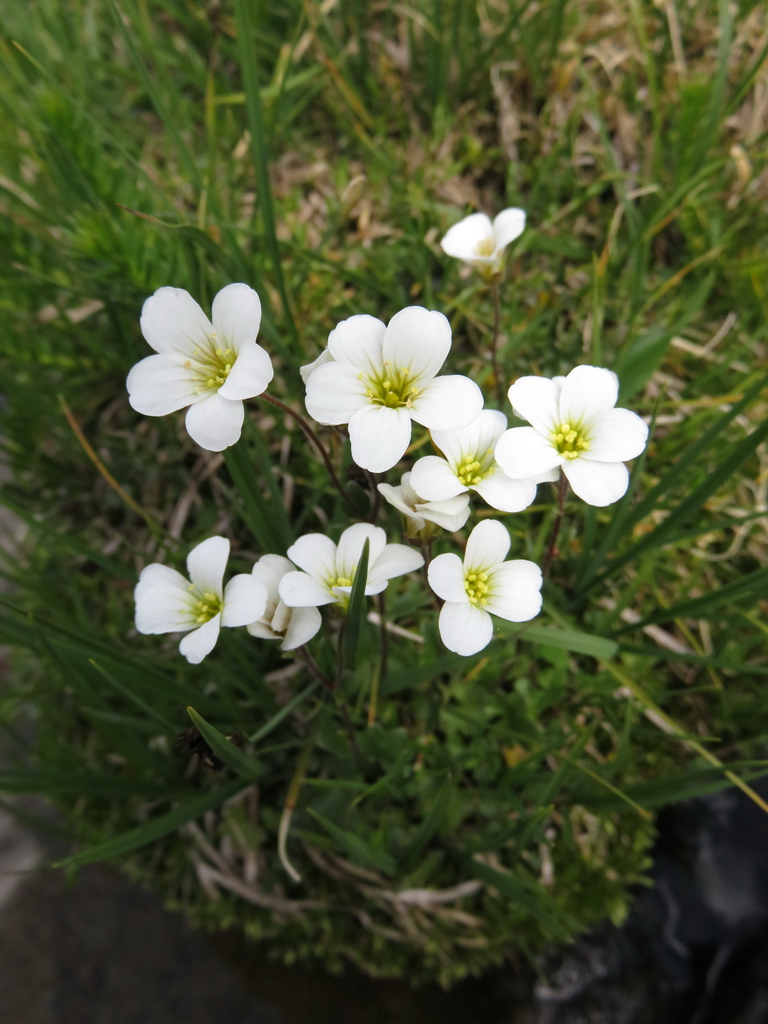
(446, 577)
(358, 341)
(550, 477)
(433, 479)
(308, 369)
(196, 645)
(236, 315)
(477, 439)
(418, 341)
(395, 560)
(597, 483)
(507, 226)
(335, 393)
(315, 554)
(507, 495)
(464, 628)
(463, 239)
(450, 514)
(379, 436)
(515, 591)
(395, 496)
(588, 391)
(351, 547)
(269, 570)
(448, 403)
(163, 601)
(304, 623)
(215, 423)
(523, 452)
(262, 630)
(281, 617)
(617, 436)
(245, 600)
(250, 375)
(206, 564)
(537, 400)
(298, 590)
(172, 321)
(487, 545)
(159, 385)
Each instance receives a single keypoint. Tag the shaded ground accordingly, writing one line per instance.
(101, 951)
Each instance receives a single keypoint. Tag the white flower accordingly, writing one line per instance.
(329, 571)
(295, 626)
(483, 585)
(574, 426)
(470, 465)
(382, 377)
(477, 241)
(210, 367)
(168, 603)
(308, 369)
(421, 517)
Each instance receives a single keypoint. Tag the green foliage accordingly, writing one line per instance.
(440, 810)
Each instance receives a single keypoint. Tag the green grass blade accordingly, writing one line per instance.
(148, 710)
(249, 70)
(752, 585)
(355, 611)
(283, 713)
(245, 766)
(155, 829)
(356, 846)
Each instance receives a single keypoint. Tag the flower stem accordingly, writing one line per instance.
(562, 490)
(341, 707)
(316, 442)
(314, 668)
(375, 497)
(498, 382)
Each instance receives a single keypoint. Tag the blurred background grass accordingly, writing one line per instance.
(318, 151)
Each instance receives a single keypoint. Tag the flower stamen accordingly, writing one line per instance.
(570, 441)
(476, 586)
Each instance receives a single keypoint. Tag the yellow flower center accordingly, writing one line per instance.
(210, 364)
(485, 247)
(571, 442)
(475, 467)
(392, 388)
(207, 605)
(342, 581)
(476, 586)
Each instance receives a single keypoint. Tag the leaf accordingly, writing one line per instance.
(155, 829)
(355, 611)
(356, 846)
(245, 766)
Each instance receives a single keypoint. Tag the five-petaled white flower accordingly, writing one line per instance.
(294, 626)
(424, 519)
(574, 426)
(470, 465)
(168, 603)
(329, 571)
(383, 376)
(210, 367)
(477, 241)
(483, 585)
